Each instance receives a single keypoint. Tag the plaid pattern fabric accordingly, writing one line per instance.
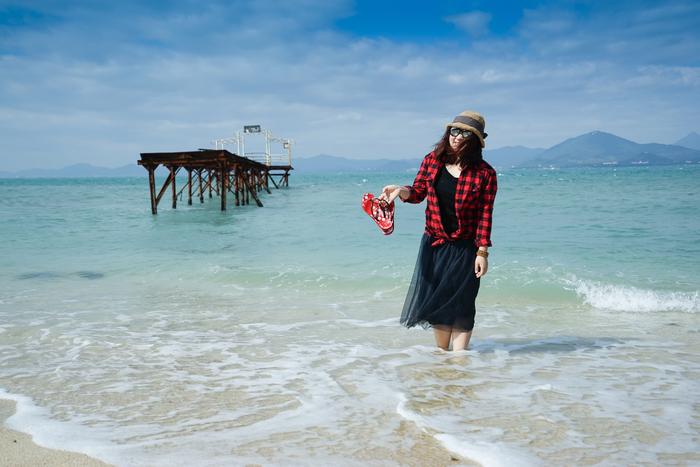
(476, 192)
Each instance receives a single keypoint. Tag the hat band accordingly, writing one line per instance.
(469, 121)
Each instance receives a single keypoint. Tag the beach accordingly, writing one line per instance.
(17, 449)
(270, 336)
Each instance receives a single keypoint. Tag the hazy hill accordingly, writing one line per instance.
(510, 156)
(327, 163)
(691, 140)
(591, 149)
(502, 157)
(600, 148)
(78, 171)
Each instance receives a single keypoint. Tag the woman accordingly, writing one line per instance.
(461, 189)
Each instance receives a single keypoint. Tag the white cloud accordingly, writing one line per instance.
(643, 33)
(475, 23)
(102, 97)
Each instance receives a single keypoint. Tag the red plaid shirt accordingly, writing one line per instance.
(476, 192)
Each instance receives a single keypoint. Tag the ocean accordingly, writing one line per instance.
(271, 336)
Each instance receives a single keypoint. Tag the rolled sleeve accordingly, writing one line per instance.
(488, 197)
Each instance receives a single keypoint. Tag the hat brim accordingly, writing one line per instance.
(464, 126)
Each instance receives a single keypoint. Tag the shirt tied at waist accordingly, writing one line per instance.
(440, 238)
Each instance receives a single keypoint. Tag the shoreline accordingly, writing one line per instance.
(19, 449)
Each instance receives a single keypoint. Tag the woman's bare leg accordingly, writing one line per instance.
(460, 339)
(442, 336)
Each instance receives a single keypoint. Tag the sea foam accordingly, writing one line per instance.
(484, 453)
(629, 298)
(54, 434)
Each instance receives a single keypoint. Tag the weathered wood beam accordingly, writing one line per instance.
(231, 183)
(173, 175)
(152, 188)
(266, 179)
(189, 186)
(237, 185)
(252, 193)
(246, 193)
(201, 191)
(164, 187)
(265, 184)
(207, 184)
(223, 177)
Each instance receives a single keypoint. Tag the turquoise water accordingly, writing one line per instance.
(270, 334)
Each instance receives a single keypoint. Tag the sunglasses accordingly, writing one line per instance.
(454, 131)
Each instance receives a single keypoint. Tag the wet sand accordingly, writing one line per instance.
(18, 450)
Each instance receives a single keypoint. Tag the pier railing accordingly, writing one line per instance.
(267, 157)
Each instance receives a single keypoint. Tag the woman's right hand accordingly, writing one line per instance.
(390, 192)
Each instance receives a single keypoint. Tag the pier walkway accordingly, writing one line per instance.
(213, 171)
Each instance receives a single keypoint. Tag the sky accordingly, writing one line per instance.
(99, 82)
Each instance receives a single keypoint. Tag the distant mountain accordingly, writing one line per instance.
(691, 140)
(79, 171)
(327, 163)
(510, 156)
(596, 148)
(502, 157)
(599, 148)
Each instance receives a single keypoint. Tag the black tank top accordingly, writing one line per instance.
(446, 188)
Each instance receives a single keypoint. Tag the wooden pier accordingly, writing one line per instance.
(212, 171)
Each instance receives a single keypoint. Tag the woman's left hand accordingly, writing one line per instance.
(481, 265)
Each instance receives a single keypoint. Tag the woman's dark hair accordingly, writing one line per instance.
(469, 153)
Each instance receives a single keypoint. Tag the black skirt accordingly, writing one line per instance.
(444, 286)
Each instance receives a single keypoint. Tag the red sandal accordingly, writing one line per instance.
(381, 211)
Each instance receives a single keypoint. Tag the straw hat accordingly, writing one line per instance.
(471, 121)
